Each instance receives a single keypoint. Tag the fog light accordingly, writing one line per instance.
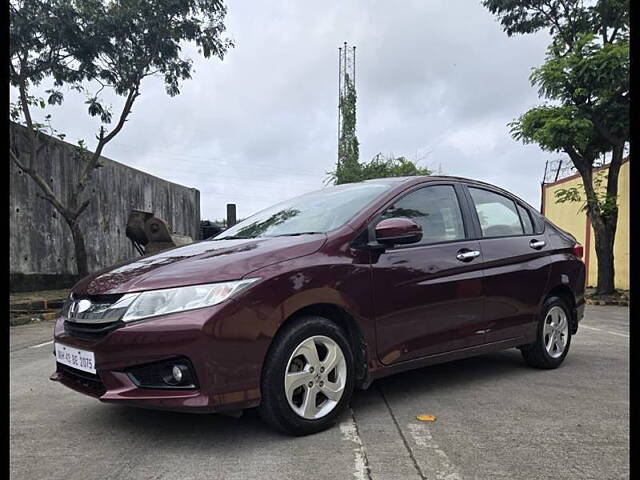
(177, 373)
(170, 373)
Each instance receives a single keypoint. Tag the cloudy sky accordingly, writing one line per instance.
(437, 81)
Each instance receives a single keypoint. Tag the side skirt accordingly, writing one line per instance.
(447, 356)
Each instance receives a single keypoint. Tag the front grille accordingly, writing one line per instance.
(85, 381)
(97, 320)
(90, 331)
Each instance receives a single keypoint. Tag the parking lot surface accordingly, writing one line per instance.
(496, 418)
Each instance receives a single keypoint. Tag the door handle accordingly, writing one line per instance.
(467, 255)
(537, 244)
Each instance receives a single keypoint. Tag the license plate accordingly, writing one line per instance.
(76, 358)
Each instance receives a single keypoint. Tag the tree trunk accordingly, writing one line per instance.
(604, 218)
(605, 234)
(606, 224)
(79, 245)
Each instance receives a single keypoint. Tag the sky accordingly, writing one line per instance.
(437, 81)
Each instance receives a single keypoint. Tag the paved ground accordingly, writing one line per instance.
(496, 419)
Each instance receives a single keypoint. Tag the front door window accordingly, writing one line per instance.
(435, 209)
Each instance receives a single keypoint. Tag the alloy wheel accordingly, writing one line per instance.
(315, 377)
(555, 331)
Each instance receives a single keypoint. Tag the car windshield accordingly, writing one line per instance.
(316, 212)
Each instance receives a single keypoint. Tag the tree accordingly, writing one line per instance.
(348, 145)
(585, 80)
(92, 46)
(378, 167)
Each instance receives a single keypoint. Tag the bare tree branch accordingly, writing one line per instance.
(102, 141)
(83, 207)
(48, 193)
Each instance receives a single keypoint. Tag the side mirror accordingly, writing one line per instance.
(398, 231)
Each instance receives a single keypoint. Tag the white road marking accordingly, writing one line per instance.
(350, 433)
(605, 331)
(438, 463)
(619, 334)
(42, 344)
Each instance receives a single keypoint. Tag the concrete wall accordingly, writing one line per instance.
(41, 249)
(569, 217)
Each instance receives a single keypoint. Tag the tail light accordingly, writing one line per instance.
(578, 250)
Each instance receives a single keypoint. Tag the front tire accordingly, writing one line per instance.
(553, 336)
(308, 377)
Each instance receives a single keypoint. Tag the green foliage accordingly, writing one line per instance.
(602, 203)
(379, 167)
(348, 165)
(555, 128)
(529, 16)
(569, 195)
(106, 44)
(349, 169)
(593, 78)
(564, 19)
(585, 80)
(589, 87)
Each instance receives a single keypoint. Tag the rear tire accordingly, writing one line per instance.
(553, 336)
(295, 379)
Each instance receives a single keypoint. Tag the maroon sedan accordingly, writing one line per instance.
(294, 307)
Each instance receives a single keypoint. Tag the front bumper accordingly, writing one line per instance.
(222, 342)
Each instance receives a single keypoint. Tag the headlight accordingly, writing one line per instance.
(171, 300)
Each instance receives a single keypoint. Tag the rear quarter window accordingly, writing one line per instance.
(527, 223)
(539, 222)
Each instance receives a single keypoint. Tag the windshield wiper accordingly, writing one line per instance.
(296, 234)
(233, 237)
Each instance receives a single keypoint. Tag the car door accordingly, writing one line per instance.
(428, 296)
(516, 264)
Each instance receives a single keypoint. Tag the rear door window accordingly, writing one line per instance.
(498, 214)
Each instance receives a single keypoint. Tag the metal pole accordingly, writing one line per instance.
(231, 214)
(339, 93)
(558, 171)
(354, 66)
(345, 61)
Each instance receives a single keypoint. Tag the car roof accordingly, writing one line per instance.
(427, 178)
(412, 180)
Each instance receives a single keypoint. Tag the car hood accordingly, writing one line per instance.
(202, 262)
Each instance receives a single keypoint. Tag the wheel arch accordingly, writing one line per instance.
(564, 292)
(348, 323)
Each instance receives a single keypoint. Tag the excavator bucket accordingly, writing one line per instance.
(150, 234)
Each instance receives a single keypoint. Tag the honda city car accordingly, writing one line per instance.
(293, 308)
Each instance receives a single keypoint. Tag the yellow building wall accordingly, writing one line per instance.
(569, 217)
